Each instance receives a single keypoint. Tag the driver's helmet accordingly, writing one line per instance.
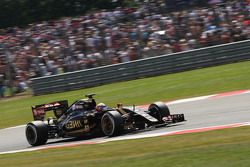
(100, 107)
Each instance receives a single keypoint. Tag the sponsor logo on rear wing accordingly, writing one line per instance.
(58, 108)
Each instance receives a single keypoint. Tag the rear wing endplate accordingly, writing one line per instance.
(58, 107)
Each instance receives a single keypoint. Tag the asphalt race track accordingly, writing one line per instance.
(200, 113)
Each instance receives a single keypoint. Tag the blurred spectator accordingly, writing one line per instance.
(20, 86)
(120, 35)
(1, 86)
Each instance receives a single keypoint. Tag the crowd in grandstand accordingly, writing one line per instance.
(121, 35)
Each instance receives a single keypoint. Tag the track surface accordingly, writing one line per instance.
(200, 113)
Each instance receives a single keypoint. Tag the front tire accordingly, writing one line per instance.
(112, 123)
(36, 133)
(159, 110)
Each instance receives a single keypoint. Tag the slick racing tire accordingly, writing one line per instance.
(112, 123)
(37, 133)
(159, 110)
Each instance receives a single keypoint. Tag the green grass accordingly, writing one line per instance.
(17, 110)
(228, 147)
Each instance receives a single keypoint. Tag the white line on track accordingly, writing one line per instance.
(20, 126)
(189, 100)
(248, 91)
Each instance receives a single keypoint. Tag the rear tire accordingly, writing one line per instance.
(159, 110)
(36, 133)
(112, 123)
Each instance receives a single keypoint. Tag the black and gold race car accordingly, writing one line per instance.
(85, 117)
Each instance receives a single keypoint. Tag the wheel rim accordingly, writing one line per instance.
(107, 125)
(31, 134)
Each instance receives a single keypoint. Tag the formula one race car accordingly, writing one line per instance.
(84, 117)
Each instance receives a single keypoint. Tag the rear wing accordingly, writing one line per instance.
(58, 107)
